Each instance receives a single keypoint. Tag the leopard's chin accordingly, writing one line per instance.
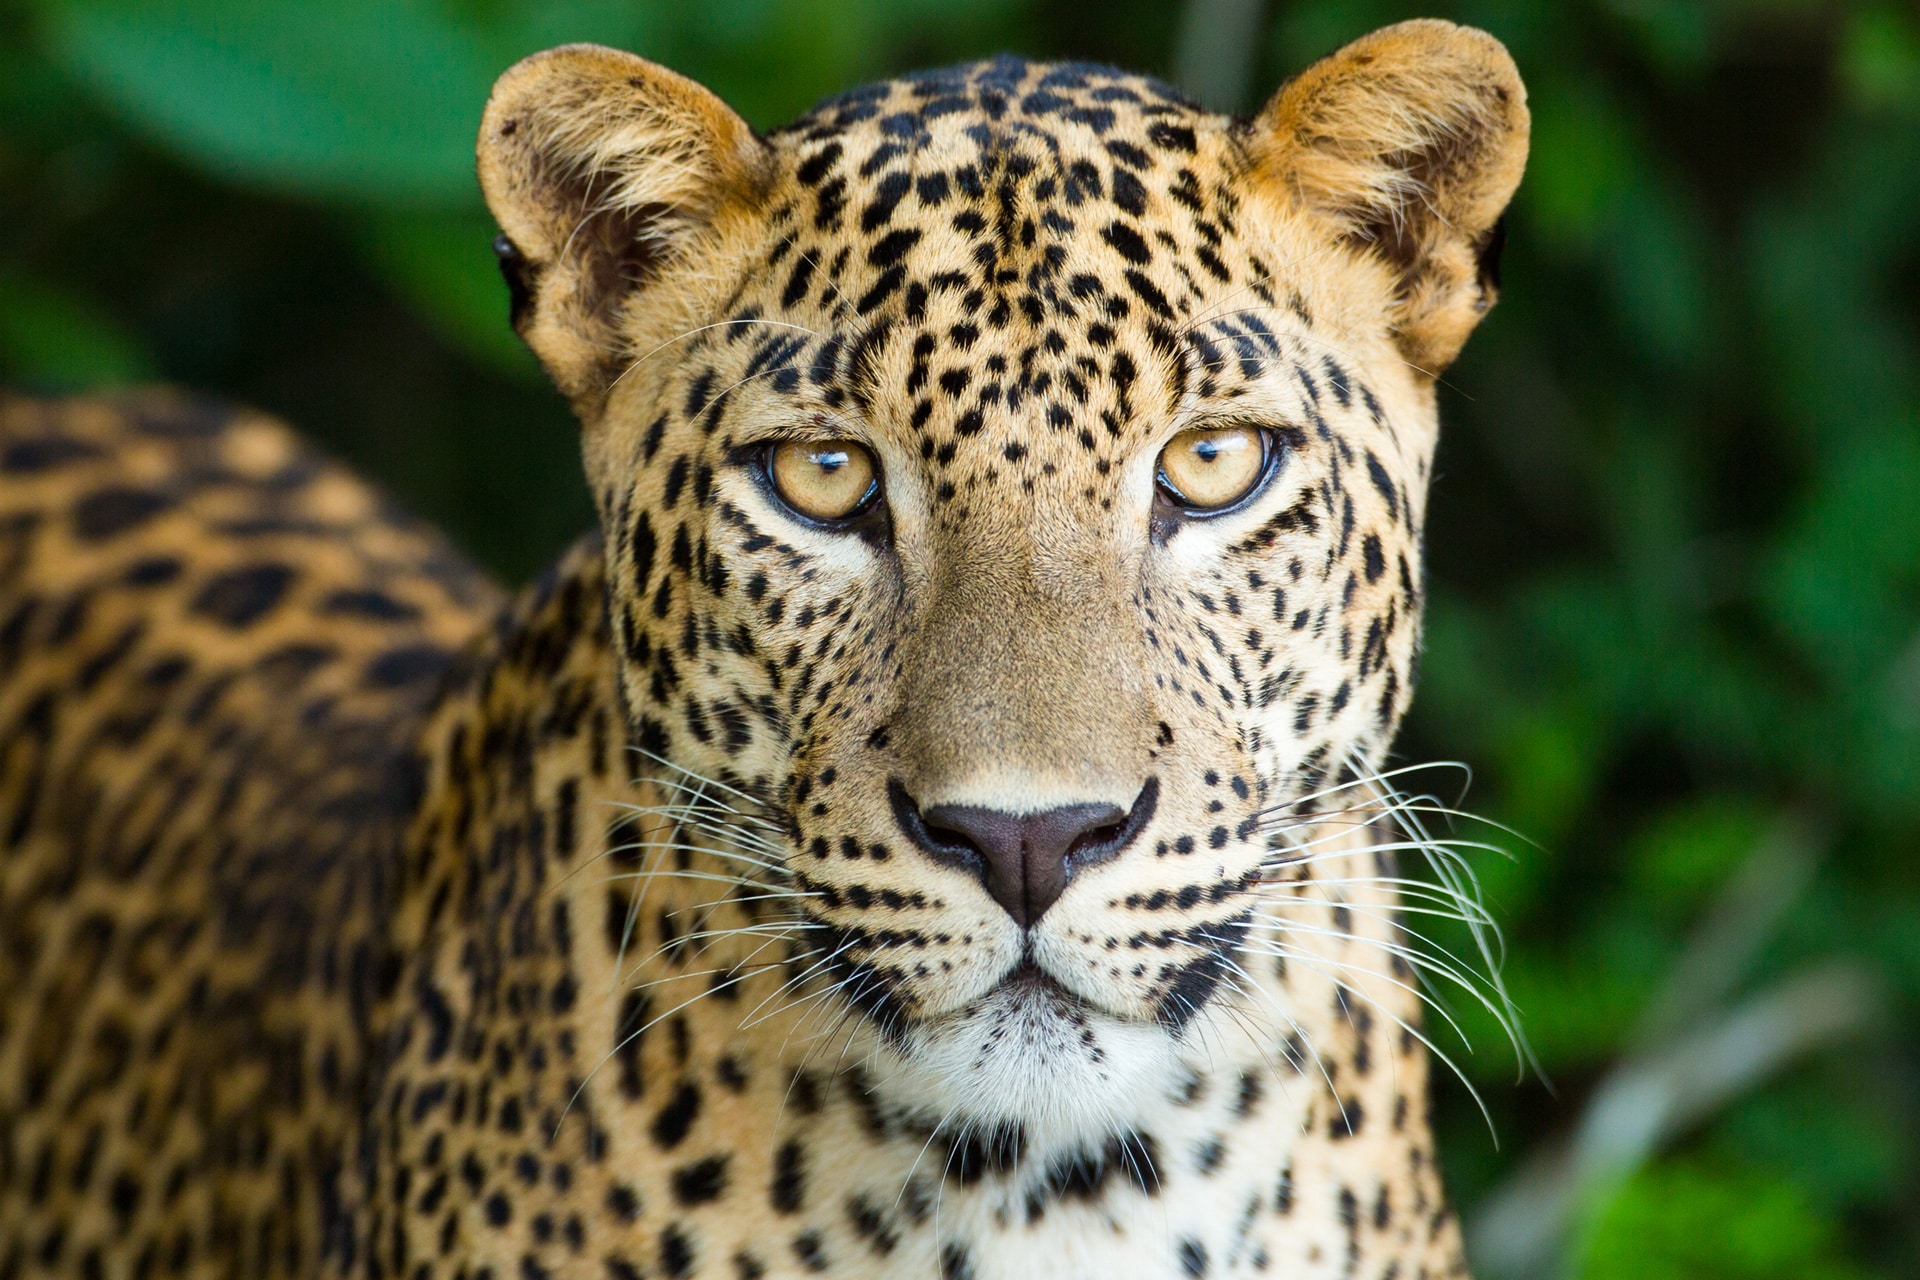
(1032, 1055)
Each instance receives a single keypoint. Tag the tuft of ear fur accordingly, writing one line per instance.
(1410, 140)
(602, 169)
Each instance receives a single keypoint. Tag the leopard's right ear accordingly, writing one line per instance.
(603, 170)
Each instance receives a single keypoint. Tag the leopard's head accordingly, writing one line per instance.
(1013, 476)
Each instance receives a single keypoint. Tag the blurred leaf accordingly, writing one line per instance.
(56, 340)
(1848, 566)
(1581, 159)
(1691, 848)
(376, 101)
(366, 100)
(1692, 1221)
(1824, 1131)
(1880, 57)
(1679, 39)
(1548, 763)
(443, 264)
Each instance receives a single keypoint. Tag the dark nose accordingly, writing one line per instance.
(1026, 859)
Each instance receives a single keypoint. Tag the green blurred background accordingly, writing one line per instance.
(1675, 542)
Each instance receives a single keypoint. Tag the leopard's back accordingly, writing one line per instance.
(214, 648)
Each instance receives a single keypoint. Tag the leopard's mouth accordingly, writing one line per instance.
(1029, 987)
(1031, 1053)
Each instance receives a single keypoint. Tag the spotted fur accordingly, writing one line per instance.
(354, 921)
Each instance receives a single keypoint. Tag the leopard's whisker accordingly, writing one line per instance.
(1312, 962)
(1296, 1030)
(1419, 961)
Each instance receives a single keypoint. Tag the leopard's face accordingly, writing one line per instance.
(1015, 488)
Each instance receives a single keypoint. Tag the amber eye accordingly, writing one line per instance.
(1209, 468)
(827, 480)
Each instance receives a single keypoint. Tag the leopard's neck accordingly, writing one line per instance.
(609, 1053)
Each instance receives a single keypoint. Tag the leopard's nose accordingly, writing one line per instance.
(1025, 859)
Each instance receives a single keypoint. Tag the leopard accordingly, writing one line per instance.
(937, 824)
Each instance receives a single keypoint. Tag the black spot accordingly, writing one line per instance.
(799, 282)
(113, 511)
(1343, 392)
(932, 188)
(650, 443)
(439, 1016)
(406, 665)
(153, 571)
(811, 1250)
(676, 480)
(887, 194)
(885, 287)
(955, 1262)
(1127, 242)
(789, 1187)
(1193, 1258)
(893, 246)
(1171, 136)
(241, 597)
(871, 1224)
(1383, 483)
(676, 1252)
(124, 1195)
(40, 455)
(566, 807)
(1376, 561)
(670, 1126)
(701, 1182)
(818, 164)
(1149, 293)
(375, 606)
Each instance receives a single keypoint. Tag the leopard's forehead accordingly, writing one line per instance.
(1011, 270)
(1124, 114)
(1032, 199)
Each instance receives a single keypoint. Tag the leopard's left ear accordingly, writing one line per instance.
(1410, 140)
(604, 171)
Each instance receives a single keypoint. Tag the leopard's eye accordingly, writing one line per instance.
(1211, 468)
(826, 480)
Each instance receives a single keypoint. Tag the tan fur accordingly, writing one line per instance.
(1414, 139)
(583, 149)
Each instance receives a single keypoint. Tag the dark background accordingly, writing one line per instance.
(1675, 538)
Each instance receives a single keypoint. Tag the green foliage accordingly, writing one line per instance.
(1688, 1221)
(52, 335)
(372, 104)
(1675, 540)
